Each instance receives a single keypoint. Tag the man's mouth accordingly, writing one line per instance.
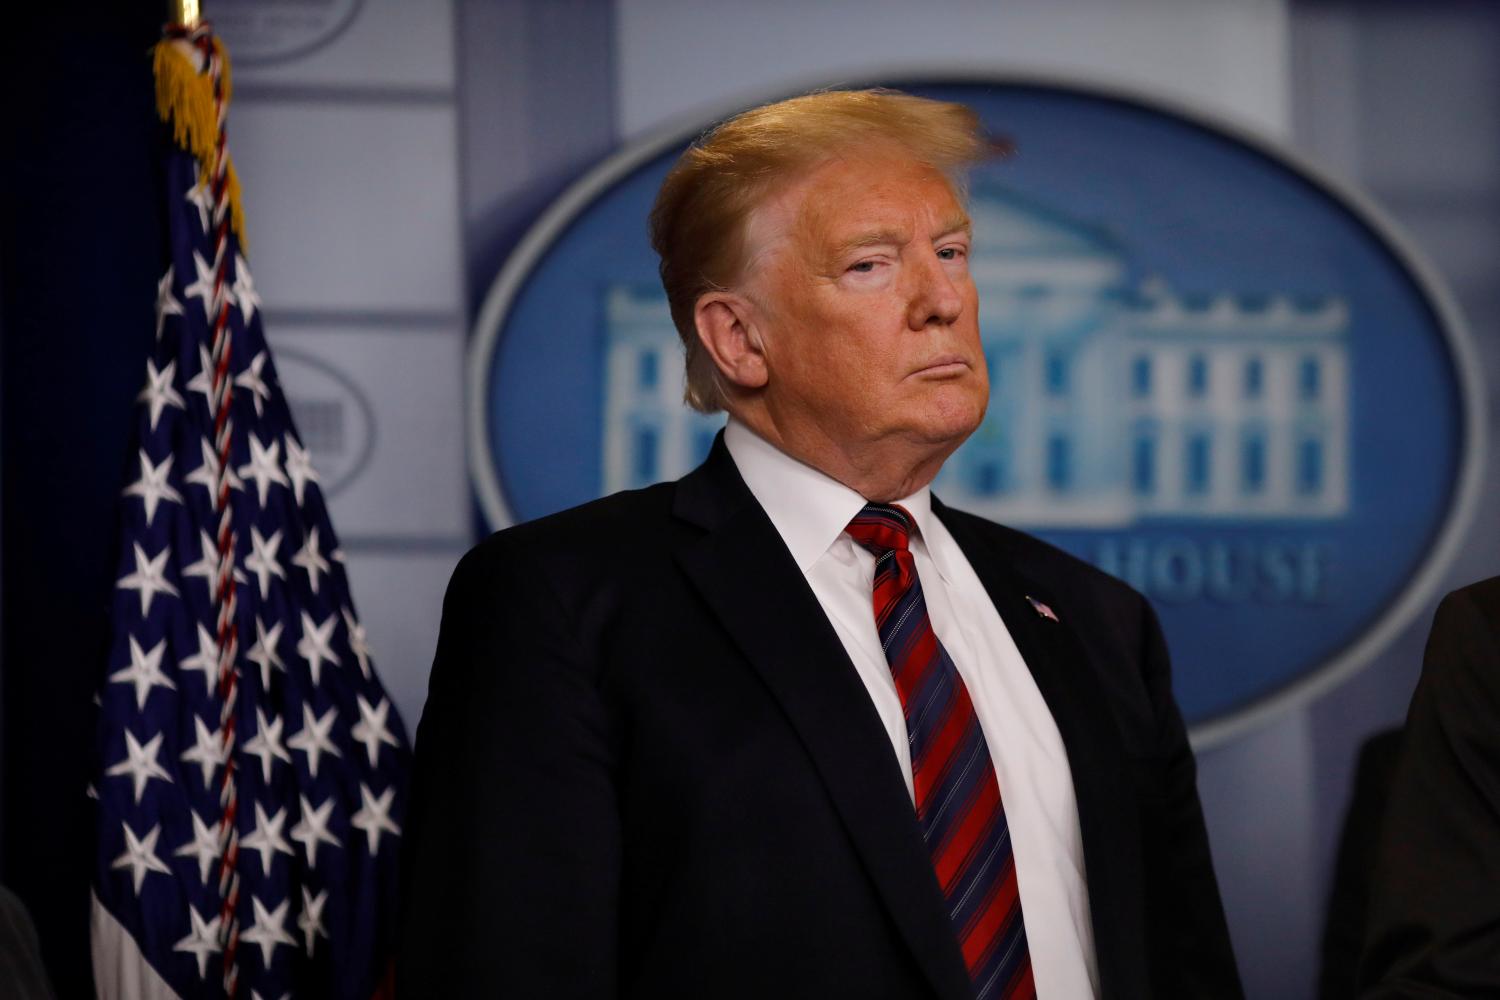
(943, 366)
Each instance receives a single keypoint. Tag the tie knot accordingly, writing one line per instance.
(881, 528)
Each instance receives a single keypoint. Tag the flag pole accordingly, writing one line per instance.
(184, 12)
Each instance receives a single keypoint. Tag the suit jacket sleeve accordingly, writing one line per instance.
(510, 880)
(1187, 934)
(1434, 923)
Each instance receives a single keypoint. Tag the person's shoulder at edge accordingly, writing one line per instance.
(1484, 595)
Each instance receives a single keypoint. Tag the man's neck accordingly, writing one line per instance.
(881, 472)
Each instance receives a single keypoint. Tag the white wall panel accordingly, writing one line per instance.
(383, 406)
(384, 43)
(350, 206)
(678, 57)
(399, 598)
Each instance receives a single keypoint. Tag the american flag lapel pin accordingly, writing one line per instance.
(1041, 608)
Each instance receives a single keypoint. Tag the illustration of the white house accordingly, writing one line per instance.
(1110, 401)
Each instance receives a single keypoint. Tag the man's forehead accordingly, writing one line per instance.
(857, 200)
(867, 203)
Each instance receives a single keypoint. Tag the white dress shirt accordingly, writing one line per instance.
(811, 510)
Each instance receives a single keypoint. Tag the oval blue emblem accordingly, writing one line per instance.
(1216, 375)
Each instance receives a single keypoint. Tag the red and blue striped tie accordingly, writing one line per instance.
(957, 794)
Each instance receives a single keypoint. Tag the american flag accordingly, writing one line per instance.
(252, 771)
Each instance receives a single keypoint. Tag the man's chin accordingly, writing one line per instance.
(951, 418)
(945, 432)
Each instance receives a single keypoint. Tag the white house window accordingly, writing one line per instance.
(1197, 376)
(647, 370)
(1197, 464)
(647, 444)
(1309, 379)
(1059, 462)
(1140, 377)
(1310, 466)
(1253, 462)
(1143, 465)
(1057, 373)
(1255, 378)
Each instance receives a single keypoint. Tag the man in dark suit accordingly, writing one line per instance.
(1434, 921)
(789, 727)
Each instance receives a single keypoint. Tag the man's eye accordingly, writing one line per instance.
(863, 267)
(951, 253)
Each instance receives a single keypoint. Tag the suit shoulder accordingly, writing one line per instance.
(1483, 597)
(622, 525)
(1468, 617)
(1045, 563)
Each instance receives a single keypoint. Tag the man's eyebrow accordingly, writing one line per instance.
(959, 223)
(874, 237)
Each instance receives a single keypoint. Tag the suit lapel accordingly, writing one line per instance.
(744, 572)
(1106, 813)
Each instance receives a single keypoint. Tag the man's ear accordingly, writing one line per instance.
(727, 329)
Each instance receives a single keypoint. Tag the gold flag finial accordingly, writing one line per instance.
(184, 12)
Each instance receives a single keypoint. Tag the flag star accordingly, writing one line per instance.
(264, 467)
(266, 838)
(262, 559)
(203, 288)
(371, 729)
(148, 578)
(205, 661)
(314, 645)
(208, 751)
(269, 929)
(263, 654)
(140, 763)
(140, 855)
(159, 392)
(310, 558)
(310, 920)
(358, 641)
(266, 743)
(245, 295)
(207, 565)
(374, 816)
(203, 382)
(202, 942)
(255, 995)
(312, 828)
(299, 467)
(153, 487)
(166, 302)
(201, 197)
(251, 379)
(144, 672)
(206, 474)
(312, 739)
(204, 847)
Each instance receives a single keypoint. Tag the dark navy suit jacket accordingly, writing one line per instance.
(1434, 914)
(647, 768)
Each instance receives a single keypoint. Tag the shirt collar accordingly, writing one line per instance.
(809, 509)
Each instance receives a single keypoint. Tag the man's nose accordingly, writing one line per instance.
(935, 299)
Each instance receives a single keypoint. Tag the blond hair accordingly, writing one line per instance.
(699, 220)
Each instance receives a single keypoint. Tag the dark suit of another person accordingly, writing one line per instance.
(1434, 924)
(646, 768)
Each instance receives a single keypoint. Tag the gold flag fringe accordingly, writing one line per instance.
(185, 100)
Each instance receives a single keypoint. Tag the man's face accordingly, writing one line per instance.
(867, 312)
